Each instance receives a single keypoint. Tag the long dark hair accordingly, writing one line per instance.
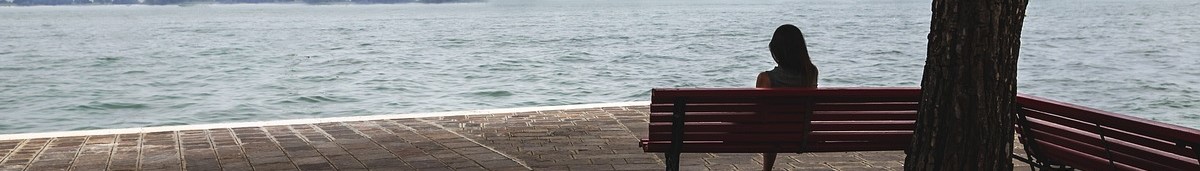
(790, 53)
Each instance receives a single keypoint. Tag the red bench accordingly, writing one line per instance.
(750, 120)
(1057, 134)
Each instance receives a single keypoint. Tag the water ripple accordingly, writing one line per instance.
(108, 106)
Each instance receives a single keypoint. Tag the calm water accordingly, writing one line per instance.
(92, 67)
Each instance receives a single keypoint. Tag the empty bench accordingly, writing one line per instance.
(755, 120)
(1057, 134)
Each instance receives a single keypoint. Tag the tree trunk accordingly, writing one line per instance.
(965, 120)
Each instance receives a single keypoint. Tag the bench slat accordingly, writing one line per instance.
(785, 100)
(864, 115)
(816, 136)
(794, 128)
(729, 107)
(711, 147)
(731, 137)
(750, 107)
(849, 92)
(877, 106)
(729, 117)
(820, 136)
(857, 146)
(889, 125)
(790, 117)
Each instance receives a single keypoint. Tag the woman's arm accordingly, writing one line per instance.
(814, 79)
(763, 81)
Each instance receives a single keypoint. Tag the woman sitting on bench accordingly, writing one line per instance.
(795, 68)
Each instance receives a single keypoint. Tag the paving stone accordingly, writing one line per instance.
(204, 166)
(638, 166)
(804, 164)
(730, 160)
(235, 165)
(91, 167)
(268, 160)
(812, 169)
(446, 155)
(830, 158)
(486, 157)
(163, 167)
(882, 157)
(309, 160)
(484, 169)
(461, 164)
(512, 168)
(460, 144)
(345, 162)
(643, 160)
(561, 167)
(276, 166)
(592, 167)
(381, 164)
(316, 166)
(122, 166)
(498, 163)
(859, 168)
(887, 164)
(427, 164)
(373, 156)
(304, 153)
(608, 161)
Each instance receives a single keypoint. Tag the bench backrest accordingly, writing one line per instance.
(779, 120)
(1089, 139)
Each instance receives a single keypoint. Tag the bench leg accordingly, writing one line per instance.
(672, 161)
(768, 161)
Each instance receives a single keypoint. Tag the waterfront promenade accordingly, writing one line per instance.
(575, 137)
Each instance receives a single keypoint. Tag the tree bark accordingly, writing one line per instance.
(965, 120)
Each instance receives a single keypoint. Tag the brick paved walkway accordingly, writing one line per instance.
(574, 139)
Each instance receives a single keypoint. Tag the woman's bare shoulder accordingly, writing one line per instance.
(763, 80)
